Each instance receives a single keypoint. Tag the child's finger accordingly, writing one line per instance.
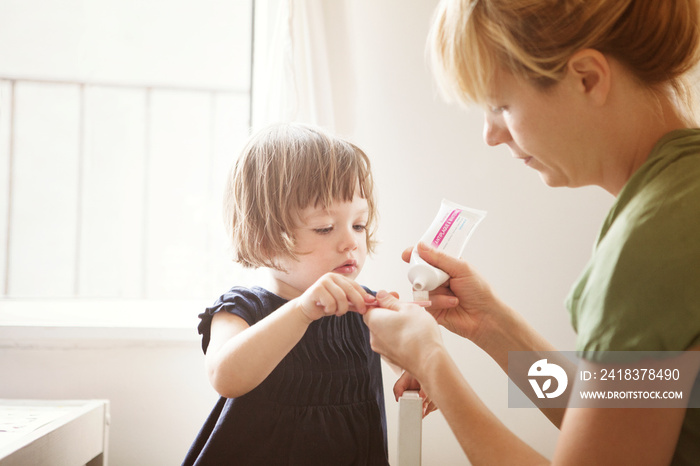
(339, 296)
(406, 254)
(326, 300)
(356, 296)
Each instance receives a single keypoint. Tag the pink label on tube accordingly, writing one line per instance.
(446, 227)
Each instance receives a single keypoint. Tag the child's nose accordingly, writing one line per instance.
(349, 240)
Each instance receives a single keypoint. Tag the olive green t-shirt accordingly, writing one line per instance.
(641, 289)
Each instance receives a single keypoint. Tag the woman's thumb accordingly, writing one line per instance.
(448, 264)
(387, 300)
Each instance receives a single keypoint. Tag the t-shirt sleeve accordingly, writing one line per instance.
(238, 301)
(648, 293)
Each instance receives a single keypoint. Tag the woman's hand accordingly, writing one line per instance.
(463, 304)
(403, 333)
(408, 382)
(333, 294)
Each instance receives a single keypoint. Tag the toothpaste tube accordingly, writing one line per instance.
(449, 233)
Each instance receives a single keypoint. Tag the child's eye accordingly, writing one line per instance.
(497, 110)
(323, 231)
(360, 227)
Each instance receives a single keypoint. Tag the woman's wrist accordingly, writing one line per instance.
(431, 357)
(496, 326)
(509, 332)
(502, 331)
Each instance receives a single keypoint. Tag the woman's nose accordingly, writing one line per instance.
(495, 132)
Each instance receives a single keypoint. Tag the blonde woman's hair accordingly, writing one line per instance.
(283, 169)
(657, 40)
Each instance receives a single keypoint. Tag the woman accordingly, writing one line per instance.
(586, 92)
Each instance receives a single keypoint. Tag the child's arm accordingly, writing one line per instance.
(240, 357)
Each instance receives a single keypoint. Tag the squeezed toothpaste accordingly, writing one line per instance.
(451, 229)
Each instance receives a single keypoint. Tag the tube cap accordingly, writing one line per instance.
(421, 295)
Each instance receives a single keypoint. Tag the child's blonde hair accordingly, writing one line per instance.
(657, 40)
(283, 169)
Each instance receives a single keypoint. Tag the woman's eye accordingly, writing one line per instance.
(323, 231)
(360, 227)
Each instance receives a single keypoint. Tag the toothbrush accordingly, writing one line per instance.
(375, 303)
(419, 303)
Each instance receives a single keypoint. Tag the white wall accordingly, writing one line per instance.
(158, 392)
(531, 247)
(535, 239)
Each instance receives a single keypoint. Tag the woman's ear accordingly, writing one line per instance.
(589, 71)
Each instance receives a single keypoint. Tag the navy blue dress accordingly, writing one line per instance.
(322, 405)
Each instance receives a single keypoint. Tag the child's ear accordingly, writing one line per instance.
(589, 72)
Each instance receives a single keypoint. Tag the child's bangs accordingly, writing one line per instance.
(335, 177)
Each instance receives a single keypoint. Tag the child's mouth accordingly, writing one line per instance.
(346, 268)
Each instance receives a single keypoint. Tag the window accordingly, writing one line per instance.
(119, 120)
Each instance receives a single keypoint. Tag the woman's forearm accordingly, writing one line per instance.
(484, 439)
(512, 333)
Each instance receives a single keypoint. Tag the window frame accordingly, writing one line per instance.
(61, 321)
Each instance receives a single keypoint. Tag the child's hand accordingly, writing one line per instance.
(334, 294)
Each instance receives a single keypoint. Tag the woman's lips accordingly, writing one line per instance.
(516, 154)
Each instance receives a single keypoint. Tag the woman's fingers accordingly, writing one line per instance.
(401, 332)
(428, 406)
(452, 266)
(405, 382)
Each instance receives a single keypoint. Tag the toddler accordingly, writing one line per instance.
(299, 383)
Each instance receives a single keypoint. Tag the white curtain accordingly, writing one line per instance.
(291, 75)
